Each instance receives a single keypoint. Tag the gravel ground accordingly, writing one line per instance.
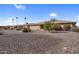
(13, 42)
(70, 40)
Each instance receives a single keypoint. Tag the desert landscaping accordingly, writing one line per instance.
(48, 38)
(39, 42)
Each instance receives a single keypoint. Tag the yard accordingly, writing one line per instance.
(13, 42)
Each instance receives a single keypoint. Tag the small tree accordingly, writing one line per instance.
(47, 26)
(52, 26)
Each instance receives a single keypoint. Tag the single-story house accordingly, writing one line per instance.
(37, 26)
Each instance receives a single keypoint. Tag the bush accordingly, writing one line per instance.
(51, 26)
(19, 28)
(56, 27)
(26, 30)
(67, 27)
(76, 30)
(47, 26)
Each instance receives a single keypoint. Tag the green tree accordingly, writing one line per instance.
(48, 26)
(52, 26)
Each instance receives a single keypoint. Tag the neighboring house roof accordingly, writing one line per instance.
(57, 21)
(52, 21)
(34, 24)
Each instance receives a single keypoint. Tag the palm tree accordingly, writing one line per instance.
(13, 22)
(17, 21)
(25, 19)
(16, 17)
(26, 23)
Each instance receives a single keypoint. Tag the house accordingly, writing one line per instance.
(38, 26)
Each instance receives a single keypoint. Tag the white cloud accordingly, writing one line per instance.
(77, 16)
(9, 21)
(6, 21)
(20, 6)
(77, 20)
(53, 15)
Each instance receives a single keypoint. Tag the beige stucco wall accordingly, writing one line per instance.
(71, 24)
(35, 27)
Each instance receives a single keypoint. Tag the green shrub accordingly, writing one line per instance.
(41, 27)
(26, 30)
(51, 26)
(47, 26)
(67, 27)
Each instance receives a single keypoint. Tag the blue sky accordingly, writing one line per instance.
(38, 12)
